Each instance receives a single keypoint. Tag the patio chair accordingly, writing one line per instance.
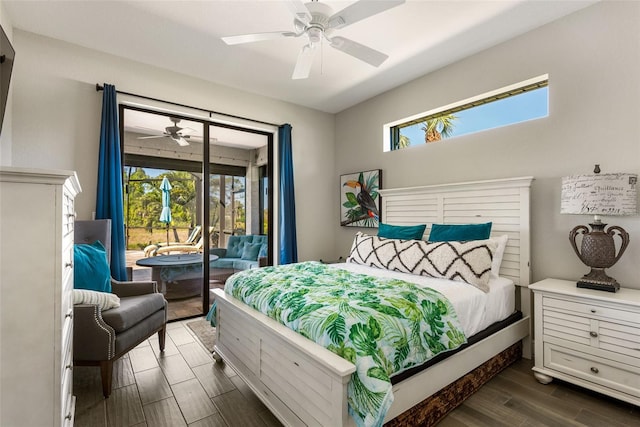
(102, 336)
(191, 240)
(184, 249)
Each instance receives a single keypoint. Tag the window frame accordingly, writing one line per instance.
(391, 131)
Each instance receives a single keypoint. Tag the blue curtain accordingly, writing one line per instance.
(288, 241)
(109, 195)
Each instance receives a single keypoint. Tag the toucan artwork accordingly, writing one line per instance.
(361, 201)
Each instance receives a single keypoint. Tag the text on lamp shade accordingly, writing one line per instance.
(602, 194)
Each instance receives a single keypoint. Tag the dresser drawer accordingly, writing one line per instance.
(70, 412)
(67, 336)
(67, 399)
(599, 310)
(604, 372)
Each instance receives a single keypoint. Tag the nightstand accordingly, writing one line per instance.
(587, 337)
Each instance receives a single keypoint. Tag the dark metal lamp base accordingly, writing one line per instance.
(599, 286)
(597, 279)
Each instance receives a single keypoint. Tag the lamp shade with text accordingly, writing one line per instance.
(611, 194)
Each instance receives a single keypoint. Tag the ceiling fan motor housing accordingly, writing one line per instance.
(320, 14)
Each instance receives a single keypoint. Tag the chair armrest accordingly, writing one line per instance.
(93, 339)
(220, 252)
(262, 261)
(129, 289)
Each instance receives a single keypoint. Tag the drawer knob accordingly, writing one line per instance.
(593, 334)
(68, 417)
(70, 367)
(593, 310)
(69, 315)
(594, 370)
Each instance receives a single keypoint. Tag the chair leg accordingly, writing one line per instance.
(161, 336)
(106, 371)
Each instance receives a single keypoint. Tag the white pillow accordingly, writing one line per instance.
(501, 241)
(104, 300)
(468, 262)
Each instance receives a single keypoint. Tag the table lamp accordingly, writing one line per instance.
(599, 194)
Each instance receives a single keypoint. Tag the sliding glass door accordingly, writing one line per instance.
(172, 211)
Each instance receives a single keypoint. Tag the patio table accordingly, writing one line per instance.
(183, 269)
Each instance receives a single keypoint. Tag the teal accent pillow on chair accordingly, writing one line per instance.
(402, 232)
(90, 267)
(250, 251)
(459, 232)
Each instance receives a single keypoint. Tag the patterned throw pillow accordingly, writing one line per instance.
(468, 262)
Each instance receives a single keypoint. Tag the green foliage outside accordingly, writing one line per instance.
(143, 205)
(435, 129)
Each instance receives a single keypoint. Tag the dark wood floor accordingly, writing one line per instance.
(183, 387)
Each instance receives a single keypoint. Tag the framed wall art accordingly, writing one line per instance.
(359, 198)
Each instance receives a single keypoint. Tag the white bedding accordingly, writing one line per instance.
(476, 310)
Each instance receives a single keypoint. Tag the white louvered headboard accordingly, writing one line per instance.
(504, 202)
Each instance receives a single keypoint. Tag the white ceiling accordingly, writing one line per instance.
(420, 36)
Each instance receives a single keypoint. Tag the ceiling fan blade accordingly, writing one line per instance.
(299, 10)
(181, 141)
(360, 51)
(151, 137)
(257, 37)
(303, 64)
(359, 11)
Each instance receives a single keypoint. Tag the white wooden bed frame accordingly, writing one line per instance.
(302, 383)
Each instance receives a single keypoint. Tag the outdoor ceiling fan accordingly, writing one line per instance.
(173, 132)
(316, 21)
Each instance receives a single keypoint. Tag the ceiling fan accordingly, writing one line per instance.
(173, 132)
(316, 21)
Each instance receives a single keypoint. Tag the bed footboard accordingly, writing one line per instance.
(305, 384)
(299, 381)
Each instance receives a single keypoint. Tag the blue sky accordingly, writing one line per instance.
(526, 106)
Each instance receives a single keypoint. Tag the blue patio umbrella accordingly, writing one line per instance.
(165, 215)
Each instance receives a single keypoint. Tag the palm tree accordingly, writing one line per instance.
(438, 127)
(403, 141)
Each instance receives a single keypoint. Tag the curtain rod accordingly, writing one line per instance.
(99, 88)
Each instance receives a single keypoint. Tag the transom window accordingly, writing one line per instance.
(517, 103)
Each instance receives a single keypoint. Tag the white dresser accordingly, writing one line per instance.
(36, 308)
(587, 337)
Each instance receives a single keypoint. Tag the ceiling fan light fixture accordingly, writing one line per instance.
(315, 34)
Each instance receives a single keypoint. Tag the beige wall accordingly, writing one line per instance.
(593, 65)
(56, 122)
(593, 61)
(5, 135)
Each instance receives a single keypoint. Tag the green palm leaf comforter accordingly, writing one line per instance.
(383, 326)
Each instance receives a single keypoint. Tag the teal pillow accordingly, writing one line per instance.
(90, 267)
(264, 250)
(402, 232)
(459, 232)
(250, 251)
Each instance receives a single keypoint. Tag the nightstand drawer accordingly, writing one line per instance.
(569, 327)
(617, 376)
(596, 310)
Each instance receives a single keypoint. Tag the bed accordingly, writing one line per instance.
(302, 383)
